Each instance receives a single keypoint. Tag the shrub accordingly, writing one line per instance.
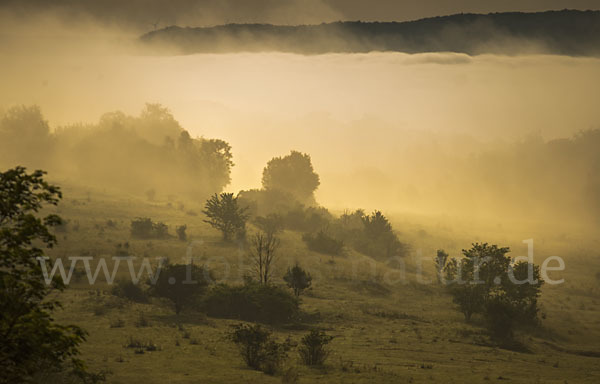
(313, 350)
(297, 279)
(258, 349)
(272, 223)
(181, 232)
(181, 284)
(306, 219)
(128, 290)
(145, 228)
(372, 234)
(323, 243)
(251, 302)
(503, 303)
(118, 323)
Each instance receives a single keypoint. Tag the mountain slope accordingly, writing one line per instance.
(566, 32)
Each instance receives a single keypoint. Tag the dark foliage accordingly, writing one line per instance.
(567, 32)
(258, 349)
(130, 291)
(251, 302)
(313, 349)
(323, 243)
(145, 228)
(30, 340)
(225, 214)
(297, 279)
(182, 284)
(372, 234)
(481, 283)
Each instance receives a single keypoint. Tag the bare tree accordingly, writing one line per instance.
(262, 253)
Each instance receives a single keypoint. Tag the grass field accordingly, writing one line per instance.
(385, 330)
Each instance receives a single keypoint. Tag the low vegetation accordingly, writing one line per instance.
(486, 282)
(145, 228)
(313, 350)
(251, 302)
(297, 279)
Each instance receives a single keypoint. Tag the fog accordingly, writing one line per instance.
(394, 131)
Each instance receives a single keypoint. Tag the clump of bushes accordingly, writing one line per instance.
(251, 302)
(323, 243)
(128, 290)
(182, 284)
(258, 349)
(371, 234)
(145, 228)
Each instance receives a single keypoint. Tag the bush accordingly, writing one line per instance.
(145, 228)
(225, 214)
(306, 219)
(251, 302)
(130, 291)
(181, 284)
(372, 234)
(297, 279)
(323, 243)
(181, 232)
(503, 303)
(313, 349)
(258, 349)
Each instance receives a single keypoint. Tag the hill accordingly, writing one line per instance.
(384, 331)
(566, 32)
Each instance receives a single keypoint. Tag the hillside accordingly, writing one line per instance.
(566, 32)
(383, 331)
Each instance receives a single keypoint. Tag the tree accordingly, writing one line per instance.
(182, 284)
(262, 253)
(491, 284)
(297, 279)
(29, 337)
(313, 349)
(294, 174)
(225, 214)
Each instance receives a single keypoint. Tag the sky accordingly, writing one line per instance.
(148, 14)
(379, 118)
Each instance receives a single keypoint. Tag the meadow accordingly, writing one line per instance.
(386, 328)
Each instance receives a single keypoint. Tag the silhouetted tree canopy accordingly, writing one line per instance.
(293, 174)
(30, 339)
(225, 214)
(481, 283)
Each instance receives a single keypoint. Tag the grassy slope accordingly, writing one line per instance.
(420, 337)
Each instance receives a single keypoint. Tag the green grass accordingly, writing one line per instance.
(384, 332)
